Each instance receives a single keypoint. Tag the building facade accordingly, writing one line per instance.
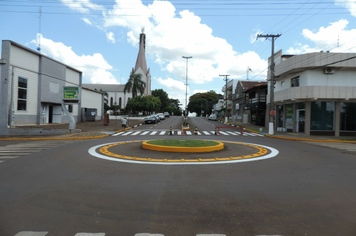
(32, 89)
(315, 93)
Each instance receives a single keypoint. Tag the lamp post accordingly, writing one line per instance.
(186, 83)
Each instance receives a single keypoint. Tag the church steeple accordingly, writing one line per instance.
(141, 58)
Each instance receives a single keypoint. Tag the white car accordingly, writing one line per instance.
(212, 117)
(161, 116)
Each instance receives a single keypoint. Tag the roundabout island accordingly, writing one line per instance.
(178, 152)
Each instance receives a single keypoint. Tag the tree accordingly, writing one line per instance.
(143, 103)
(163, 96)
(135, 84)
(174, 107)
(210, 98)
(197, 105)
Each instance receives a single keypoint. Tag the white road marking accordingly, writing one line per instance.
(147, 234)
(136, 133)
(231, 132)
(153, 132)
(8, 157)
(31, 233)
(146, 132)
(188, 132)
(221, 132)
(206, 132)
(273, 152)
(162, 133)
(127, 133)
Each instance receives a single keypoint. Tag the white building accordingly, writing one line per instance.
(32, 89)
(315, 93)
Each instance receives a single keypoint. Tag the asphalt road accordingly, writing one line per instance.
(59, 188)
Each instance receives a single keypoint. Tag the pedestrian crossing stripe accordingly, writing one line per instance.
(145, 132)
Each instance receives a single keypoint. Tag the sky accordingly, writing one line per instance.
(101, 37)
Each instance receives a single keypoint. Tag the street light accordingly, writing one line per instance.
(186, 83)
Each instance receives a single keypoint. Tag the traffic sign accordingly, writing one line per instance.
(272, 113)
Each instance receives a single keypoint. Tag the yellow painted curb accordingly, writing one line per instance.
(159, 148)
(310, 140)
(262, 151)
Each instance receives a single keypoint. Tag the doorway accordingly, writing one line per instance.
(50, 114)
(300, 124)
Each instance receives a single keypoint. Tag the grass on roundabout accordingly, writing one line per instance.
(183, 143)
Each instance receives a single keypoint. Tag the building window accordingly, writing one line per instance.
(295, 82)
(22, 94)
(70, 108)
(348, 116)
(322, 116)
(120, 102)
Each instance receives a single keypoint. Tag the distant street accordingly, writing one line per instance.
(56, 187)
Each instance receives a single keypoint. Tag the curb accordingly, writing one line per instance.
(92, 137)
(310, 140)
(160, 148)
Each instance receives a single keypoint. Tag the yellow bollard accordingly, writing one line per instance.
(196, 131)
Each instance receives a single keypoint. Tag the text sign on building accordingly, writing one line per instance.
(71, 93)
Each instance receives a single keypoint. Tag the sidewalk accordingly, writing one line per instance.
(294, 136)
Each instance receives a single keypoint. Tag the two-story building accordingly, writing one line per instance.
(228, 90)
(315, 93)
(255, 103)
(241, 112)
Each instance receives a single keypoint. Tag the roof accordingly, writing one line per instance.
(105, 87)
(256, 86)
(249, 84)
(141, 57)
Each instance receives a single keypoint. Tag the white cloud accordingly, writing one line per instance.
(334, 38)
(172, 84)
(82, 6)
(199, 91)
(110, 37)
(350, 5)
(87, 21)
(169, 36)
(94, 67)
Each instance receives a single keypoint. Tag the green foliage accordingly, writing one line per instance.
(197, 105)
(163, 96)
(143, 103)
(135, 84)
(202, 101)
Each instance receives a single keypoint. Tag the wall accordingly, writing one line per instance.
(91, 99)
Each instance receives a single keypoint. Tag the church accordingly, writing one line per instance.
(116, 95)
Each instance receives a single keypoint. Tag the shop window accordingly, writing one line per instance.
(322, 116)
(295, 82)
(348, 116)
(22, 94)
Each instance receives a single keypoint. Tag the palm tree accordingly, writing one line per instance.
(135, 84)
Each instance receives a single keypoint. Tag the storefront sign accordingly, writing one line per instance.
(289, 116)
(71, 93)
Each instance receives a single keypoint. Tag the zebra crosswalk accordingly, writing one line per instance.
(186, 132)
(13, 151)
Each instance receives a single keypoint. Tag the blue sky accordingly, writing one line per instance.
(100, 37)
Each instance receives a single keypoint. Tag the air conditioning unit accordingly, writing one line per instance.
(329, 70)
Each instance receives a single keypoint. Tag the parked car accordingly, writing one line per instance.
(166, 114)
(150, 120)
(157, 118)
(161, 116)
(212, 117)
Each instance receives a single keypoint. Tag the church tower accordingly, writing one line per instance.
(141, 65)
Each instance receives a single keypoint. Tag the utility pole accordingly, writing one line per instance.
(186, 83)
(225, 96)
(272, 111)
